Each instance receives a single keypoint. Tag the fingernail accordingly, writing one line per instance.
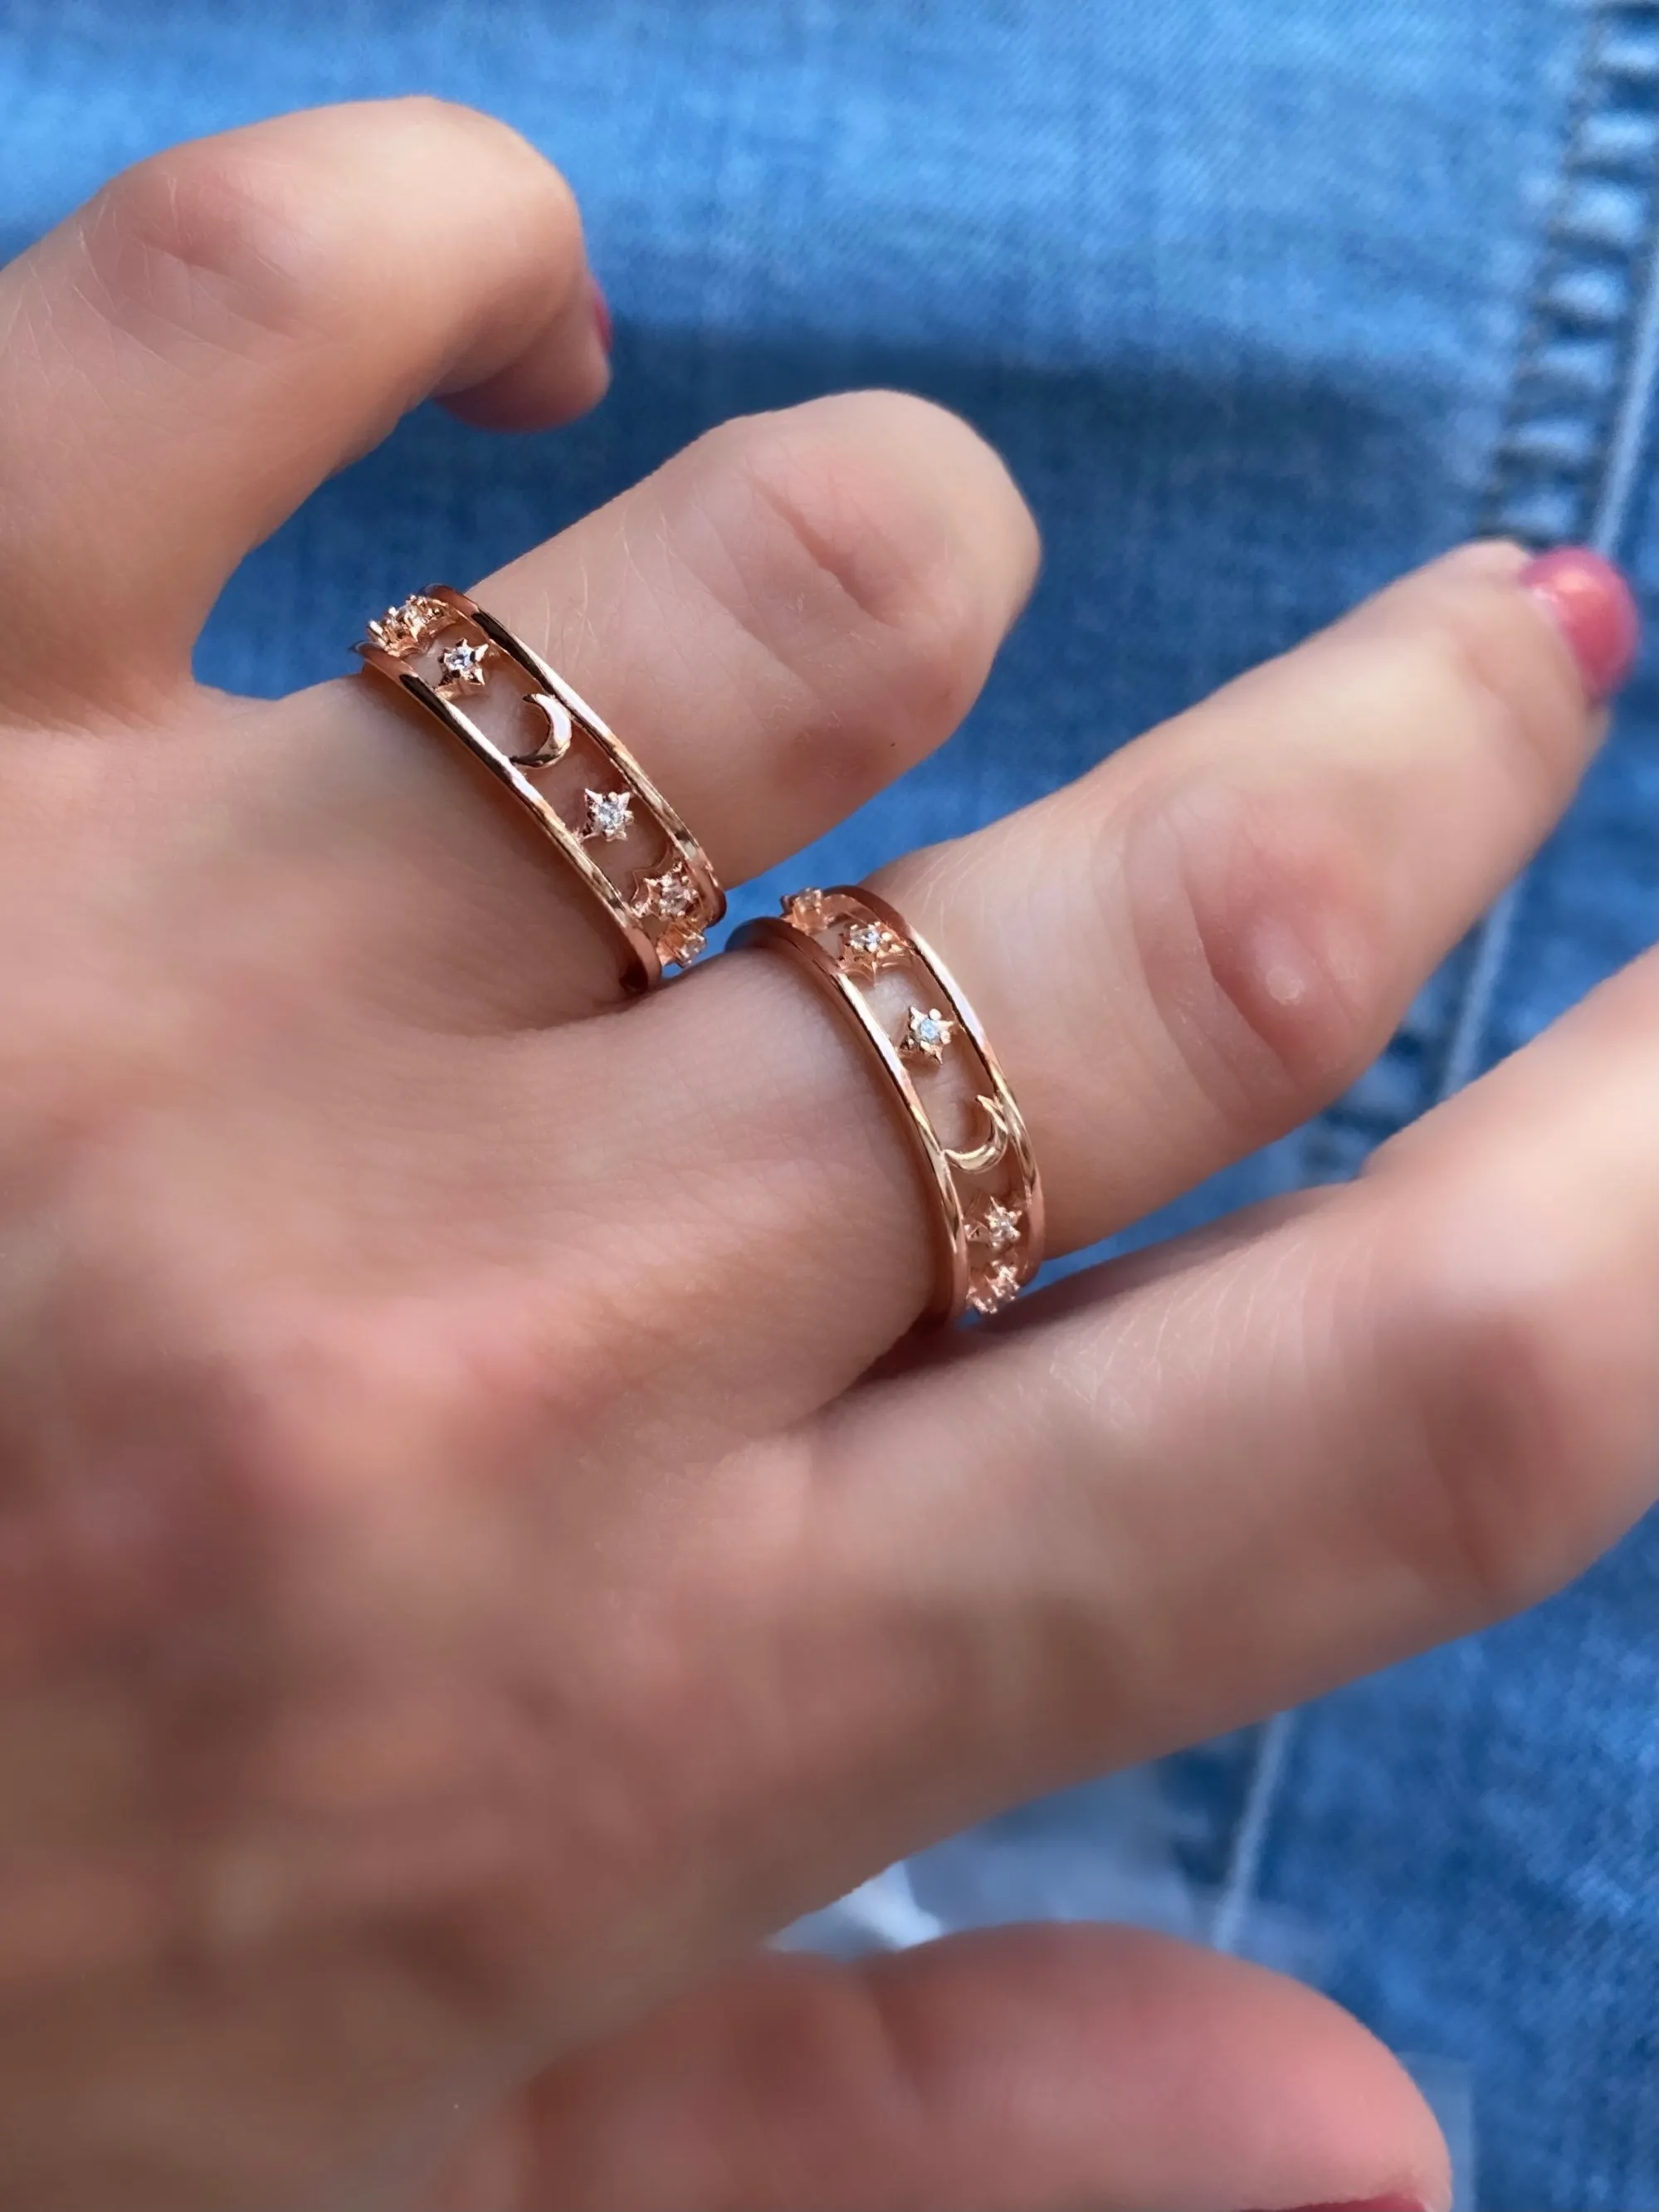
(1591, 606)
(601, 315)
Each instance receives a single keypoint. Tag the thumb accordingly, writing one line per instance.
(1020, 2069)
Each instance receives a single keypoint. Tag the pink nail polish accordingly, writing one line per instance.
(1591, 605)
(602, 316)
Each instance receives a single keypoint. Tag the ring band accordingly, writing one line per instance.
(667, 898)
(987, 1196)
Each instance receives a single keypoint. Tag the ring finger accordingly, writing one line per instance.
(1177, 959)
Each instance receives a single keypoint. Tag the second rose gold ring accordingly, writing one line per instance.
(575, 779)
(952, 1099)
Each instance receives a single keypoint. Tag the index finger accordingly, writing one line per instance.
(190, 354)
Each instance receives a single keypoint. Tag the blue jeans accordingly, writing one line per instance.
(1265, 301)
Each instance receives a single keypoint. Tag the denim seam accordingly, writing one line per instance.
(1512, 506)
(1539, 489)
(1591, 492)
(1631, 429)
(1577, 352)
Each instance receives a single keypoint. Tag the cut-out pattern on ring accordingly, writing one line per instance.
(913, 1018)
(660, 892)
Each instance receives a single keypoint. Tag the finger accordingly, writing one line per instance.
(781, 620)
(191, 353)
(1015, 2070)
(1193, 1493)
(790, 613)
(1177, 959)
(1233, 916)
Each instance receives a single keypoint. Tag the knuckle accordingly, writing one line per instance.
(1519, 1427)
(217, 1452)
(261, 233)
(300, 1533)
(849, 564)
(1255, 927)
(332, 1393)
(204, 240)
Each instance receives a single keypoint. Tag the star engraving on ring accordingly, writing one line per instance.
(996, 1226)
(867, 947)
(681, 943)
(926, 1034)
(997, 1287)
(608, 815)
(669, 897)
(412, 624)
(672, 899)
(807, 911)
(463, 666)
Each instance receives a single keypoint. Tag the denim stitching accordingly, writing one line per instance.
(1576, 354)
(1540, 489)
(1545, 484)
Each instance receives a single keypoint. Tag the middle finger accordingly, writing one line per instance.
(781, 620)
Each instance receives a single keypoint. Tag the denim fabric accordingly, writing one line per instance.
(1265, 301)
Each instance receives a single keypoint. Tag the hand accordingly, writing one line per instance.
(457, 1593)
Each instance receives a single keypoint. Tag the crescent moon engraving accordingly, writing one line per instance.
(977, 1159)
(556, 744)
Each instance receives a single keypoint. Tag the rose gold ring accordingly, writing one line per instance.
(656, 886)
(955, 1103)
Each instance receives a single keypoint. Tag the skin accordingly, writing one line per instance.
(460, 1584)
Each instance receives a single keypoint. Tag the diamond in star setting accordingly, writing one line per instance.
(998, 1226)
(867, 947)
(680, 943)
(670, 896)
(463, 667)
(926, 1034)
(997, 1287)
(808, 911)
(404, 629)
(608, 814)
